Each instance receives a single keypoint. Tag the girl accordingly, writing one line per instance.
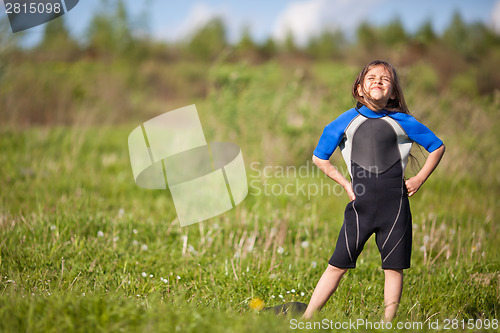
(375, 138)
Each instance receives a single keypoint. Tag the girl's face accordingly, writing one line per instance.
(377, 84)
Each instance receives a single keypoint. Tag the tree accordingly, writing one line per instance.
(456, 35)
(393, 33)
(328, 44)
(366, 35)
(425, 34)
(289, 43)
(267, 49)
(56, 37)
(246, 44)
(209, 41)
(109, 31)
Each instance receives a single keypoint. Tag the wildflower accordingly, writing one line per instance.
(100, 234)
(150, 275)
(280, 296)
(272, 296)
(144, 274)
(115, 239)
(314, 264)
(256, 304)
(192, 250)
(304, 244)
(178, 277)
(281, 250)
(426, 239)
(144, 247)
(293, 290)
(302, 294)
(134, 231)
(288, 291)
(135, 242)
(52, 227)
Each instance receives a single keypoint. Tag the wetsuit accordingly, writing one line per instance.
(375, 147)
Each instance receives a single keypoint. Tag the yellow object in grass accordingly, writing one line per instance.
(256, 304)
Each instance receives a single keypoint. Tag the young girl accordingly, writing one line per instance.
(375, 138)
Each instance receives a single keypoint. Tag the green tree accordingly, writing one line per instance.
(366, 35)
(56, 38)
(267, 49)
(110, 31)
(393, 33)
(328, 44)
(209, 40)
(456, 35)
(425, 35)
(246, 43)
(289, 44)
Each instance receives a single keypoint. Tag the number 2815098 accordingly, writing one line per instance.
(32, 8)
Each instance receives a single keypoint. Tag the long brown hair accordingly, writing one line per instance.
(396, 104)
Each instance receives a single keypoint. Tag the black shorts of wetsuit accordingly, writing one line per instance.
(381, 207)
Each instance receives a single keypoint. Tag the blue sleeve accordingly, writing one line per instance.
(419, 133)
(333, 134)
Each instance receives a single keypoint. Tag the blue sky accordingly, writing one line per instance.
(174, 20)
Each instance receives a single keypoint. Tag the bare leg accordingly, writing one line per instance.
(326, 286)
(392, 292)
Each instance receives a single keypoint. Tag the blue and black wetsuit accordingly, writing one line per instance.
(375, 147)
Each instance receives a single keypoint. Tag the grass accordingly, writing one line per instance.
(84, 249)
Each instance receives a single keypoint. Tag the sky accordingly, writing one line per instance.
(176, 20)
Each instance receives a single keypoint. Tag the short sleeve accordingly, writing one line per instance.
(333, 134)
(420, 133)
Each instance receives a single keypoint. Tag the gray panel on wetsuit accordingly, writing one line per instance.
(375, 146)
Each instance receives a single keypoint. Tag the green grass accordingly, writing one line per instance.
(77, 235)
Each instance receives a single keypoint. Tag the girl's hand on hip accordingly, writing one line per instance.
(412, 185)
(350, 192)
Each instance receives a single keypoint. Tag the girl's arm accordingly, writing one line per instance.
(333, 173)
(414, 183)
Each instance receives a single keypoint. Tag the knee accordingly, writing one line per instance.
(336, 270)
(393, 273)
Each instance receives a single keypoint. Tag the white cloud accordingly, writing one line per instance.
(198, 15)
(495, 16)
(310, 17)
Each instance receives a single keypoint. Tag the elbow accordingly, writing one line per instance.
(316, 160)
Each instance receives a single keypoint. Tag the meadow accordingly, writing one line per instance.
(83, 249)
